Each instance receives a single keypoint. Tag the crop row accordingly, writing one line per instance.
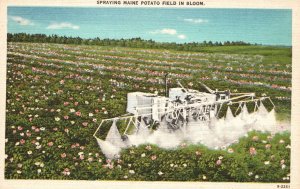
(277, 79)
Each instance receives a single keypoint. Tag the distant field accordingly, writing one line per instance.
(57, 94)
(279, 52)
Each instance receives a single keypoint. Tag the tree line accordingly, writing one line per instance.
(133, 42)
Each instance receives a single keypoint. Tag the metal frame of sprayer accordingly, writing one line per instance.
(182, 105)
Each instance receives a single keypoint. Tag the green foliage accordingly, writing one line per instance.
(198, 163)
(58, 94)
(133, 43)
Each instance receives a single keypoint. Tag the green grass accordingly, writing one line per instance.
(251, 50)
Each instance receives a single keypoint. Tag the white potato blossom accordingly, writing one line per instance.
(281, 141)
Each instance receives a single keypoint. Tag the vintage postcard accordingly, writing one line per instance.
(144, 94)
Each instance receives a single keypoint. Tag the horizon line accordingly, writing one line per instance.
(169, 42)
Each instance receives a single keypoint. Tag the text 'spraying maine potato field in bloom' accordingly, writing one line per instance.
(57, 95)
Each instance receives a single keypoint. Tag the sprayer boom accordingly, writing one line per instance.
(175, 112)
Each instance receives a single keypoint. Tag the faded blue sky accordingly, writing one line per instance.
(263, 26)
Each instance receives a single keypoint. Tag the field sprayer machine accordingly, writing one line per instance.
(176, 115)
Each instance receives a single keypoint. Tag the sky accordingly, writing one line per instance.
(261, 26)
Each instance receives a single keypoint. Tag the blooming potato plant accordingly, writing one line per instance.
(58, 94)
